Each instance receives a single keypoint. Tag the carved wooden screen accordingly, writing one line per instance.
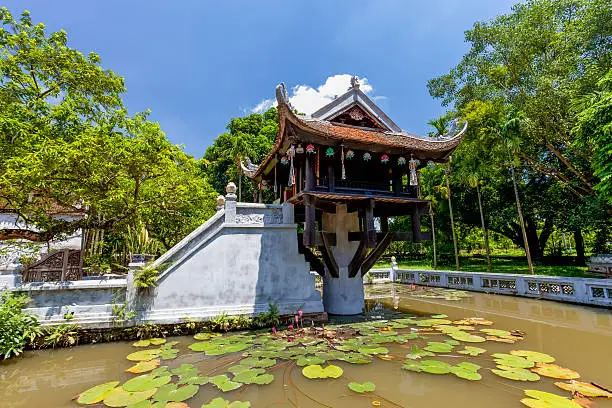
(60, 265)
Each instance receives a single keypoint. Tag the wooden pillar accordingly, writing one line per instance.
(397, 180)
(370, 231)
(310, 175)
(384, 224)
(416, 224)
(309, 223)
(331, 177)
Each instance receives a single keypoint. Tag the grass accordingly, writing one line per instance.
(498, 265)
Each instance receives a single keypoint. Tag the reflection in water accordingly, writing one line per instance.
(578, 336)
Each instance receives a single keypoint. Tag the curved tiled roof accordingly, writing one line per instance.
(435, 147)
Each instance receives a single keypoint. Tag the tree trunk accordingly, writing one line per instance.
(522, 221)
(433, 236)
(485, 233)
(450, 207)
(579, 247)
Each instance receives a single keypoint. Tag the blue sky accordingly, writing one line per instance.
(198, 63)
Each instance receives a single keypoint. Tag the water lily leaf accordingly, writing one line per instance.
(417, 353)
(173, 393)
(541, 399)
(254, 376)
(466, 374)
(373, 350)
(496, 332)
(330, 355)
(258, 362)
(205, 336)
(472, 321)
(516, 374)
(586, 389)
(168, 353)
(555, 371)
(221, 403)
(472, 351)
(144, 355)
(309, 360)
(357, 358)
(176, 405)
(534, 356)
(437, 347)
(145, 382)
(119, 397)
(224, 383)
(142, 343)
(97, 393)
(363, 387)
(512, 361)
(157, 341)
(466, 337)
(194, 380)
(431, 322)
(161, 371)
(316, 371)
(143, 404)
(143, 367)
(184, 369)
(439, 316)
(435, 367)
(468, 366)
(412, 366)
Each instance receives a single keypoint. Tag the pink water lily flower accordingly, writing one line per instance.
(290, 327)
(297, 319)
(274, 330)
(300, 313)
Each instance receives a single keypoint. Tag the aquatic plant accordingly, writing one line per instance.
(17, 328)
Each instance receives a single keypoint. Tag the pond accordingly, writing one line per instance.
(444, 323)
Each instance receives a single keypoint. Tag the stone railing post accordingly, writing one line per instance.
(130, 290)
(288, 215)
(220, 203)
(393, 270)
(230, 203)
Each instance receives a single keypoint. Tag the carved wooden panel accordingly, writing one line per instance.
(61, 265)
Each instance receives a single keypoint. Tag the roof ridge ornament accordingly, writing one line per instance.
(354, 82)
(452, 129)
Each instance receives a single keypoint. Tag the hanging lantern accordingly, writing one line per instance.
(310, 149)
(284, 160)
(367, 156)
(291, 152)
(264, 185)
(401, 161)
(299, 149)
(349, 154)
(342, 160)
(330, 152)
(384, 158)
(414, 180)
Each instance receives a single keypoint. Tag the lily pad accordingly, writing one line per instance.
(224, 383)
(254, 376)
(357, 358)
(541, 399)
(206, 336)
(143, 367)
(466, 374)
(316, 371)
(97, 393)
(586, 389)
(367, 386)
(417, 353)
(512, 361)
(145, 382)
(534, 356)
(373, 350)
(221, 403)
(466, 337)
(516, 374)
(173, 393)
(119, 397)
(435, 367)
(258, 362)
(412, 366)
(472, 351)
(438, 347)
(309, 360)
(555, 371)
(144, 355)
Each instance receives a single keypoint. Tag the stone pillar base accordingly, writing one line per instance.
(343, 295)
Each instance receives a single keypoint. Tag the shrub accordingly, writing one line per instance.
(17, 328)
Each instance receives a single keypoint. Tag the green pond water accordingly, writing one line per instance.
(398, 318)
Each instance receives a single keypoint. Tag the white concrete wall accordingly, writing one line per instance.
(234, 268)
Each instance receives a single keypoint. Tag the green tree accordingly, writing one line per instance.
(66, 139)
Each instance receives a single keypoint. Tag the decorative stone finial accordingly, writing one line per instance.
(354, 82)
(230, 188)
(393, 259)
(220, 202)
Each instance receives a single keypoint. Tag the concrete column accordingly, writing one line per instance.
(230, 203)
(393, 270)
(10, 277)
(342, 295)
(131, 290)
(288, 213)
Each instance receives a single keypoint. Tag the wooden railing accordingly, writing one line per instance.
(364, 187)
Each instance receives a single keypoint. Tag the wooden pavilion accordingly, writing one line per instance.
(349, 153)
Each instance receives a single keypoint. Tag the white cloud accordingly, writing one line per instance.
(307, 99)
(264, 106)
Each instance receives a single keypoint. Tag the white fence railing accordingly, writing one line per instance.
(577, 290)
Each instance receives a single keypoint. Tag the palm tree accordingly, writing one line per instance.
(439, 124)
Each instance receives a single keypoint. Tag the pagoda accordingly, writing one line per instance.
(341, 168)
